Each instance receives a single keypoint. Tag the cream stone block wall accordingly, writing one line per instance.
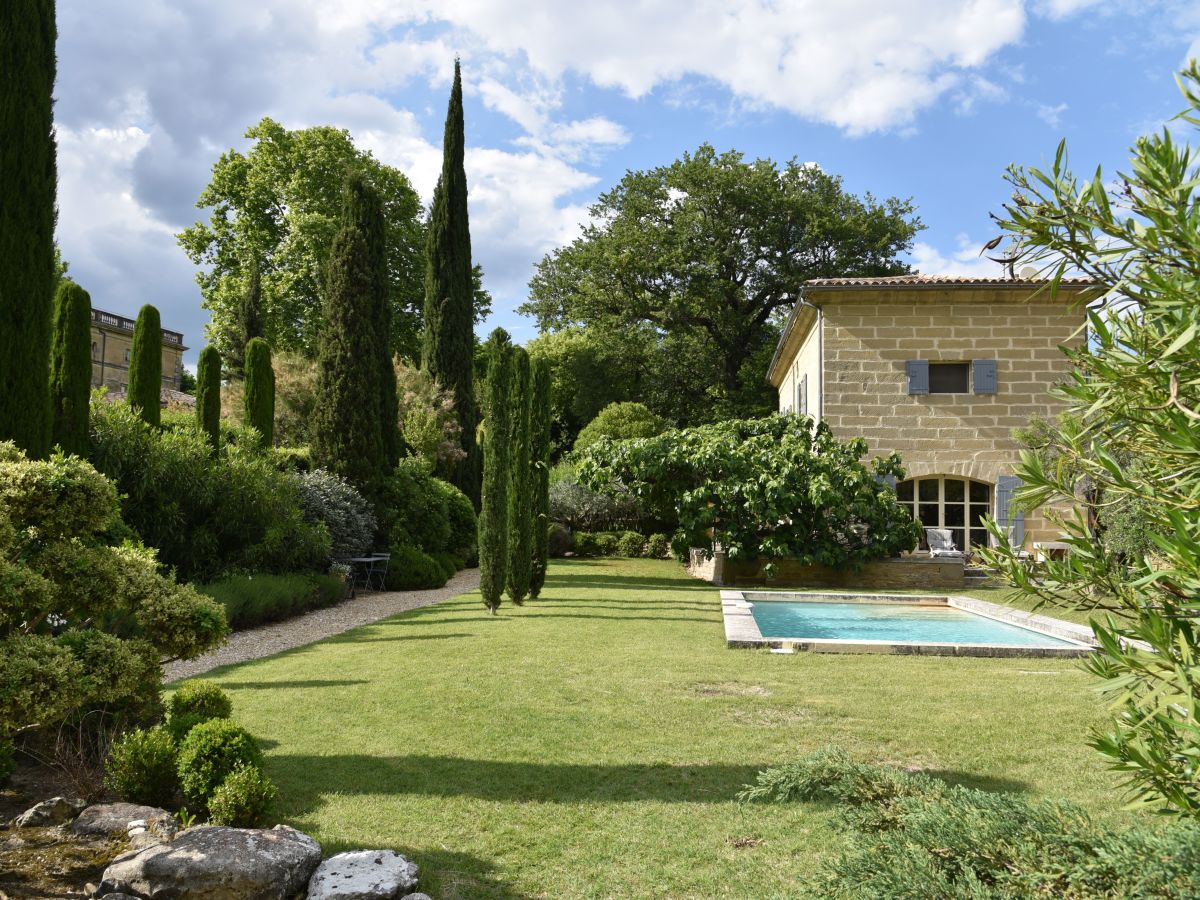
(869, 334)
(804, 371)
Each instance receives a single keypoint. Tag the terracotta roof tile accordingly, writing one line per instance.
(921, 280)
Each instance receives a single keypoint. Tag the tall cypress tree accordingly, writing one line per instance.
(448, 345)
(71, 368)
(367, 210)
(520, 481)
(260, 390)
(249, 319)
(208, 394)
(28, 177)
(493, 513)
(347, 438)
(539, 428)
(145, 366)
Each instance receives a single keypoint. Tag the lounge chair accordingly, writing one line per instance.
(941, 544)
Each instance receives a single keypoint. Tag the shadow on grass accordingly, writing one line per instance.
(987, 783)
(591, 580)
(305, 780)
(309, 683)
(351, 638)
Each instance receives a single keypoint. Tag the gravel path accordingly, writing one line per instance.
(267, 640)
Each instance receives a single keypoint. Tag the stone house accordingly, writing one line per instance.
(941, 370)
(112, 341)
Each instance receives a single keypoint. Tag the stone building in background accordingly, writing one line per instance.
(112, 340)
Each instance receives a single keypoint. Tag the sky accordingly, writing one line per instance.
(928, 99)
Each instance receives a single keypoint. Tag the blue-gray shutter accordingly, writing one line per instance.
(917, 371)
(803, 395)
(1005, 485)
(984, 374)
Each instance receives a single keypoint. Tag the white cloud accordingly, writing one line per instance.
(1051, 115)
(1061, 9)
(965, 260)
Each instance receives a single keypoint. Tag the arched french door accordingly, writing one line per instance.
(947, 501)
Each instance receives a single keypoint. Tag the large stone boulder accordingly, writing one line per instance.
(115, 819)
(55, 811)
(218, 863)
(363, 875)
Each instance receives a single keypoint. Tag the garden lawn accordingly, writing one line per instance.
(591, 743)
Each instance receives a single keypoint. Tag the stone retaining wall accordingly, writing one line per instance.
(905, 572)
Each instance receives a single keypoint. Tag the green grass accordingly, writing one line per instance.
(591, 743)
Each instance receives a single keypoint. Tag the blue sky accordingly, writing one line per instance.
(929, 99)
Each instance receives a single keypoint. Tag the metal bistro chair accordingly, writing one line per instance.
(377, 571)
(941, 544)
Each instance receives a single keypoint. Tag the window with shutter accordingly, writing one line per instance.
(983, 373)
(917, 371)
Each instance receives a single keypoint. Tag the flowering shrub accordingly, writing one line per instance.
(426, 416)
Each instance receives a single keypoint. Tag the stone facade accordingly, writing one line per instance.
(112, 341)
(852, 342)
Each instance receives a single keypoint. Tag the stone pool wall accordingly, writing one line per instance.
(905, 572)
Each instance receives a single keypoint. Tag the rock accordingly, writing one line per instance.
(416, 896)
(114, 819)
(55, 811)
(218, 863)
(363, 875)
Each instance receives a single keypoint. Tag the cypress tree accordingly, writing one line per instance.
(249, 320)
(145, 366)
(260, 390)
(539, 429)
(71, 368)
(28, 178)
(493, 513)
(520, 481)
(347, 439)
(208, 394)
(448, 344)
(367, 210)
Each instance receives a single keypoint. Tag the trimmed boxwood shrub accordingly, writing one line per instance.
(658, 546)
(251, 600)
(242, 799)
(411, 568)
(416, 509)
(210, 753)
(631, 544)
(142, 767)
(196, 702)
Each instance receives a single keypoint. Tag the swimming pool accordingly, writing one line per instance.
(866, 623)
(916, 622)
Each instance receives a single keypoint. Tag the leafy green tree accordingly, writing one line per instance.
(249, 323)
(493, 513)
(448, 348)
(520, 481)
(71, 367)
(1134, 395)
(260, 390)
(347, 437)
(145, 366)
(716, 248)
(208, 395)
(772, 488)
(28, 179)
(281, 204)
(621, 421)
(539, 427)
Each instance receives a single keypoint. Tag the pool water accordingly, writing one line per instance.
(892, 622)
